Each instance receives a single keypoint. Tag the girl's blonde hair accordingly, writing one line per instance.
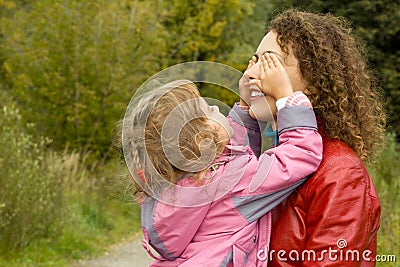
(166, 134)
(332, 62)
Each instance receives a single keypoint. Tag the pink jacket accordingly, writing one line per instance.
(228, 227)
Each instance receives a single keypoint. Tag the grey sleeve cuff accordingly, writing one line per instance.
(255, 206)
(293, 117)
(243, 118)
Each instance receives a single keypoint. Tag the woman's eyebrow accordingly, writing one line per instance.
(269, 51)
(273, 52)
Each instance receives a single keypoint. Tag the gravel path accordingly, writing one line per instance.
(130, 254)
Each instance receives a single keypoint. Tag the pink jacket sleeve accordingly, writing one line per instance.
(299, 152)
(278, 171)
(247, 131)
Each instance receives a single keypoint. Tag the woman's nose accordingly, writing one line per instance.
(253, 71)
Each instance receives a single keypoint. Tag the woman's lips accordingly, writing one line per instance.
(255, 93)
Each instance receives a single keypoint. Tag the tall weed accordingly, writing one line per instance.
(386, 175)
(54, 206)
(30, 184)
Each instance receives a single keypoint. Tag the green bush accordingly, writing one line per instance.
(72, 65)
(30, 185)
(53, 209)
(386, 173)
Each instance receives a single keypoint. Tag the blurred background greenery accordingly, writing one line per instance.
(68, 69)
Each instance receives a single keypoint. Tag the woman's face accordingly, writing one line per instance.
(259, 101)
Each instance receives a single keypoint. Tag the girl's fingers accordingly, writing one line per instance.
(261, 67)
(252, 61)
(264, 63)
(268, 60)
(274, 60)
(258, 83)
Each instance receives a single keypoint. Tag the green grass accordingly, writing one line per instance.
(386, 175)
(93, 226)
(389, 232)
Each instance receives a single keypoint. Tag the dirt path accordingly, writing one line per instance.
(129, 254)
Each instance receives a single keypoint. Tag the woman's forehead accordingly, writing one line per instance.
(269, 43)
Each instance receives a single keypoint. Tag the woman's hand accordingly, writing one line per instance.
(244, 84)
(274, 80)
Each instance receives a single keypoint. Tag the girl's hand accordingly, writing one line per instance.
(274, 80)
(244, 85)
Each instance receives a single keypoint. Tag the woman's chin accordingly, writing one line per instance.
(261, 116)
(263, 108)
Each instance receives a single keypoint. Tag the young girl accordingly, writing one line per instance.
(205, 189)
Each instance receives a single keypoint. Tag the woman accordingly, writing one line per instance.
(333, 219)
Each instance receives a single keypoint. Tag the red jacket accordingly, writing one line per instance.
(331, 220)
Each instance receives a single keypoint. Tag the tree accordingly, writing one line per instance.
(210, 31)
(71, 66)
(202, 30)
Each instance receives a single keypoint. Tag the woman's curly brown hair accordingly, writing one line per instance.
(332, 62)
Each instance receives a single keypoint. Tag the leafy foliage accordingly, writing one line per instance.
(385, 173)
(52, 209)
(30, 185)
(202, 30)
(72, 65)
